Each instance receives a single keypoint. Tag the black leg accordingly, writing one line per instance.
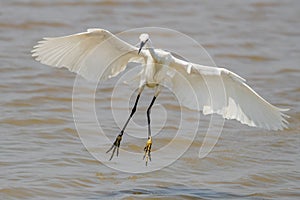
(116, 144)
(147, 148)
(148, 116)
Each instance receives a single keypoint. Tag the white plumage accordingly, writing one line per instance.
(98, 54)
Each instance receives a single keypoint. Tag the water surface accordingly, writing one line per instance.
(42, 156)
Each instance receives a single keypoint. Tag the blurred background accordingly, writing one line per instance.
(42, 156)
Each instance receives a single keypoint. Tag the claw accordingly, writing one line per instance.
(116, 145)
(147, 150)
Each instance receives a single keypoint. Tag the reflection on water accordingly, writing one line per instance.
(42, 156)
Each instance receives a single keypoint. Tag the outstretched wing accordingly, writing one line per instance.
(221, 91)
(95, 54)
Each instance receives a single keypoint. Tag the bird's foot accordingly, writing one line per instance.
(147, 150)
(115, 146)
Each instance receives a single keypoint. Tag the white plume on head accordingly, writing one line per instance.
(144, 37)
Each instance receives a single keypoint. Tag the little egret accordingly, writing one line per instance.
(98, 55)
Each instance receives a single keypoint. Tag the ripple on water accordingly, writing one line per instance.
(256, 58)
(33, 121)
(177, 192)
(32, 24)
(41, 154)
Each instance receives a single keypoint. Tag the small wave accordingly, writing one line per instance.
(256, 58)
(32, 24)
(265, 4)
(34, 121)
(288, 71)
(70, 3)
(176, 192)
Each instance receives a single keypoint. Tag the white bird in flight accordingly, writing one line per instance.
(98, 55)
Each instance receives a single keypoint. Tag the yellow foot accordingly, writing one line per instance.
(147, 150)
(115, 146)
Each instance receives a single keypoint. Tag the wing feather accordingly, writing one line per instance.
(223, 92)
(95, 54)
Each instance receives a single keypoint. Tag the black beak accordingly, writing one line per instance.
(141, 46)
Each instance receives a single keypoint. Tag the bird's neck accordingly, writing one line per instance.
(151, 50)
(153, 54)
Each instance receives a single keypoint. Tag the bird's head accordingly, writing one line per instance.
(144, 38)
